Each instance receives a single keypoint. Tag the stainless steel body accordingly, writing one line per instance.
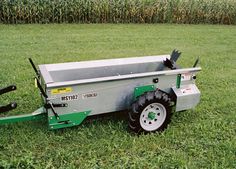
(104, 86)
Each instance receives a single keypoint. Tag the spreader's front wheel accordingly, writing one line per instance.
(150, 112)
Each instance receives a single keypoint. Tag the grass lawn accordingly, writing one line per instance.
(201, 138)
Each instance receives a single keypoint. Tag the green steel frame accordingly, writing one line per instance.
(67, 120)
(36, 115)
(138, 91)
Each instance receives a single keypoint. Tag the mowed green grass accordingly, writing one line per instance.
(200, 138)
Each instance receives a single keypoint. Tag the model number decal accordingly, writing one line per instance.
(70, 97)
(89, 95)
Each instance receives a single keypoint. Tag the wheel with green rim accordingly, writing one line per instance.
(150, 112)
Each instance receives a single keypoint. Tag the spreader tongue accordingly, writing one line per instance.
(11, 105)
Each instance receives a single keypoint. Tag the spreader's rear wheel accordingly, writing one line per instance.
(150, 112)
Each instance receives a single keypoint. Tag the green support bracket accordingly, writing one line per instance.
(67, 120)
(36, 115)
(178, 81)
(142, 89)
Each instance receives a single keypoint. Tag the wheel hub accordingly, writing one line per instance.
(153, 116)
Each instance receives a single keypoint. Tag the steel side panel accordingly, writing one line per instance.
(64, 72)
(104, 62)
(104, 97)
(187, 97)
(46, 75)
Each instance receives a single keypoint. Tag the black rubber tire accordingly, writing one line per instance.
(141, 103)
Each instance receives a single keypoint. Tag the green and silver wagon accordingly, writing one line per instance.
(149, 87)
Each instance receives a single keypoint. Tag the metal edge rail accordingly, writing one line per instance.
(127, 76)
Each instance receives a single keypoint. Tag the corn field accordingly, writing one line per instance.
(118, 11)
